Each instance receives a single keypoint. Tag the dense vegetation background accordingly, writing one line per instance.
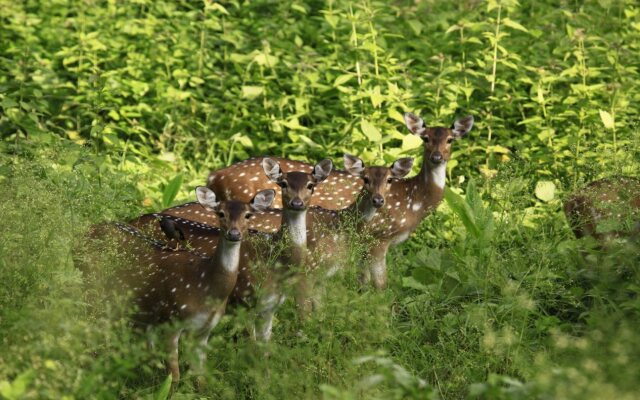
(112, 108)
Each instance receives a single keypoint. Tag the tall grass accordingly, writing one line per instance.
(110, 109)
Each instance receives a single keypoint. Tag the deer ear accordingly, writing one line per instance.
(414, 123)
(322, 170)
(272, 169)
(263, 199)
(462, 126)
(206, 197)
(401, 167)
(353, 165)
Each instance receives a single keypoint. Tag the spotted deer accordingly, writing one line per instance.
(412, 199)
(325, 237)
(297, 189)
(409, 200)
(258, 285)
(605, 209)
(183, 288)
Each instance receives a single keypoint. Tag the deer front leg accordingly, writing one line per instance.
(266, 309)
(173, 366)
(202, 338)
(303, 298)
(378, 266)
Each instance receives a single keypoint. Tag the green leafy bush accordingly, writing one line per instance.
(109, 109)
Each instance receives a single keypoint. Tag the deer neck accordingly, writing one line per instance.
(428, 186)
(294, 223)
(227, 256)
(362, 209)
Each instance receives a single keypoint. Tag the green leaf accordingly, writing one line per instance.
(607, 119)
(371, 132)
(545, 190)
(165, 388)
(171, 190)
(342, 79)
(376, 97)
(515, 25)
(410, 142)
(460, 207)
(498, 149)
(395, 114)
(17, 388)
(251, 92)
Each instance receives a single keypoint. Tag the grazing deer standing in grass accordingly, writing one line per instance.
(605, 209)
(186, 289)
(289, 227)
(326, 244)
(325, 237)
(409, 200)
(297, 189)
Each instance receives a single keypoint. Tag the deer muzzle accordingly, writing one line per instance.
(436, 157)
(377, 200)
(297, 204)
(234, 235)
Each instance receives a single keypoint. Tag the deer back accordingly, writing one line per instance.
(166, 283)
(243, 179)
(605, 208)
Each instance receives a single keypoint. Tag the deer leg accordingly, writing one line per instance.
(303, 299)
(151, 344)
(378, 265)
(203, 339)
(267, 306)
(173, 366)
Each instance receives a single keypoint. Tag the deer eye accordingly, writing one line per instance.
(282, 184)
(425, 139)
(365, 180)
(450, 140)
(310, 186)
(389, 180)
(221, 214)
(248, 215)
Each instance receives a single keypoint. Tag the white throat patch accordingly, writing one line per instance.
(439, 175)
(297, 223)
(229, 255)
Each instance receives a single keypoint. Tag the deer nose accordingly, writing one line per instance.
(378, 201)
(297, 204)
(234, 235)
(436, 157)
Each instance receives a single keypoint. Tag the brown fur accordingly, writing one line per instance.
(616, 199)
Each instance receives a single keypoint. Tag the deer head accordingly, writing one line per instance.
(377, 180)
(437, 141)
(297, 187)
(233, 214)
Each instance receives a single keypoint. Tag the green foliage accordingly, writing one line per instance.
(108, 109)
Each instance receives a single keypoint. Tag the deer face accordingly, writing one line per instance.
(297, 187)
(437, 141)
(234, 215)
(377, 180)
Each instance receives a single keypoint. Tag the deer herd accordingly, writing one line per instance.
(266, 227)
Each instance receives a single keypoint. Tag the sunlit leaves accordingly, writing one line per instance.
(607, 119)
(545, 190)
(251, 92)
(370, 131)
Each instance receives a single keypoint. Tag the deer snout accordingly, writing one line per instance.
(297, 203)
(234, 235)
(436, 157)
(377, 200)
